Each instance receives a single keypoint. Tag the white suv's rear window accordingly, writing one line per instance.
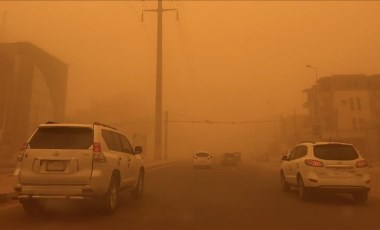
(202, 154)
(335, 152)
(62, 138)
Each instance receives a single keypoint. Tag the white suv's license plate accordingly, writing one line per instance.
(56, 166)
(340, 172)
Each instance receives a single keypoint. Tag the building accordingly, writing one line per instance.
(347, 108)
(32, 91)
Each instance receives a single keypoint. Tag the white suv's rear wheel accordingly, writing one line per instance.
(111, 198)
(137, 192)
(303, 192)
(285, 187)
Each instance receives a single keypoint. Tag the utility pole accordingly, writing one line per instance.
(166, 135)
(158, 126)
(158, 113)
(3, 27)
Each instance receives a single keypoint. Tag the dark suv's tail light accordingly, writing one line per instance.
(97, 154)
(20, 155)
(361, 164)
(313, 163)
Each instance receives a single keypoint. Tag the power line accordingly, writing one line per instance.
(222, 122)
(133, 8)
(183, 115)
(181, 25)
(139, 18)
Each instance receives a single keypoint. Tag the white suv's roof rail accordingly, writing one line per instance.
(97, 123)
(323, 142)
(51, 122)
(332, 142)
(305, 142)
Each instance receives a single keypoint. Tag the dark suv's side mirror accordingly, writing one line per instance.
(138, 150)
(284, 158)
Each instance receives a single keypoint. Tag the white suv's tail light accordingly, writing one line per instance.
(313, 163)
(361, 164)
(20, 155)
(97, 154)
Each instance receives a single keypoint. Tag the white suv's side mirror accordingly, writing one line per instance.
(284, 158)
(138, 150)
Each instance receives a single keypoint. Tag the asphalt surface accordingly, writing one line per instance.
(180, 197)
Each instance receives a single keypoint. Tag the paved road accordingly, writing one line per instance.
(180, 197)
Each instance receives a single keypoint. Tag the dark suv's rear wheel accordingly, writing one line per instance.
(33, 207)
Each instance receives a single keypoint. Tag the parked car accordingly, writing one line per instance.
(202, 159)
(229, 159)
(325, 166)
(77, 162)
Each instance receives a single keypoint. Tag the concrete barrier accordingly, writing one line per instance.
(158, 164)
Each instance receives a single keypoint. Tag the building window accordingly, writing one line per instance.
(358, 104)
(352, 104)
(354, 124)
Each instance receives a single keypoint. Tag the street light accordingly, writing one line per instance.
(315, 69)
(316, 126)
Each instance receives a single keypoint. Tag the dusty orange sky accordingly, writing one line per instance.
(223, 60)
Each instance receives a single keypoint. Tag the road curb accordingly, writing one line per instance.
(159, 164)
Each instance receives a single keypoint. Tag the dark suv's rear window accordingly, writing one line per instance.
(335, 152)
(202, 154)
(62, 138)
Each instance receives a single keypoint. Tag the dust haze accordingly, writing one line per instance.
(224, 62)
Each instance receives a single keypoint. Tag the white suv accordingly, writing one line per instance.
(202, 159)
(325, 166)
(77, 162)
